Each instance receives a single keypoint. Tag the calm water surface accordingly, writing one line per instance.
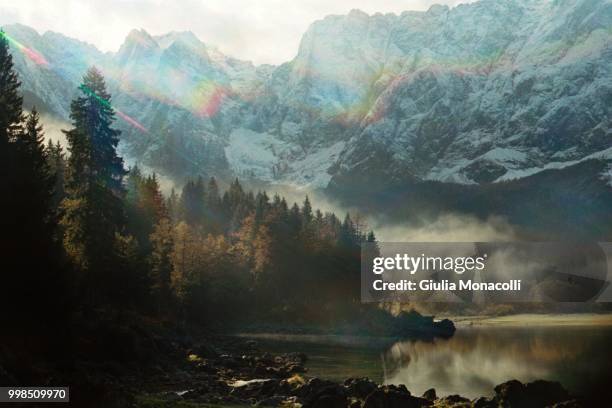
(470, 363)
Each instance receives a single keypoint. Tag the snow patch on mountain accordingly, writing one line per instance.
(313, 170)
(252, 154)
(525, 172)
(265, 157)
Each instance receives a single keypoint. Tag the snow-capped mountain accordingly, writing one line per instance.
(478, 93)
(491, 91)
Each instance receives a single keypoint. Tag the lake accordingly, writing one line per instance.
(471, 363)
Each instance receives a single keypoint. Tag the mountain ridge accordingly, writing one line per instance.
(478, 93)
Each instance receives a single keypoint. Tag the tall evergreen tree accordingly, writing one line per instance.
(192, 202)
(214, 211)
(38, 268)
(348, 235)
(235, 195)
(31, 289)
(145, 207)
(133, 182)
(35, 180)
(213, 198)
(93, 211)
(11, 113)
(307, 211)
(162, 241)
(173, 206)
(57, 165)
(262, 206)
(11, 118)
(295, 220)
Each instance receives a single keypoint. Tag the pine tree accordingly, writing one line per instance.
(214, 210)
(33, 284)
(212, 199)
(138, 222)
(307, 211)
(348, 235)
(153, 200)
(35, 180)
(308, 230)
(184, 258)
(93, 210)
(192, 203)
(133, 184)
(34, 220)
(11, 118)
(57, 166)
(235, 195)
(262, 206)
(93, 116)
(172, 206)
(162, 240)
(295, 220)
(319, 225)
(145, 207)
(11, 113)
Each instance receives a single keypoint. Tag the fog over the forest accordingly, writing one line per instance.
(445, 228)
(53, 127)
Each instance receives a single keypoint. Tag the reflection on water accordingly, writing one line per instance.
(471, 363)
(476, 359)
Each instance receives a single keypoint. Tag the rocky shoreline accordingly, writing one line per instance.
(236, 373)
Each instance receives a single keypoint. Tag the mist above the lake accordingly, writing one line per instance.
(448, 227)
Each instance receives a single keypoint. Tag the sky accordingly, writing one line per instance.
(262, 31)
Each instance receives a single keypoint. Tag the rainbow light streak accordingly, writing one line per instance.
(30, 53)
(131, 121)
(206, 98)
(106, 103)
(39, 59)
(466, 66)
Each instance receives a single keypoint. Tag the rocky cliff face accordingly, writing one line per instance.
(480, 93)
(492, 91)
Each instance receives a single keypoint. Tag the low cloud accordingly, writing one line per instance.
(52, 128)
(449, 228)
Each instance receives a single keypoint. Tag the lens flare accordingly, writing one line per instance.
(207, 98)
(106, 103)
(131, 121)
(37, 58)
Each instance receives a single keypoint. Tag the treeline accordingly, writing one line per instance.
(83, 233)
(237, 255)
(34, 273)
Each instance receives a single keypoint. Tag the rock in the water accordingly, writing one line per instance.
(393, 397)
(359, 387)
(539, 393)
(322, 394)
(455, 401)
(430, 394)
(484, 402)
(511, 392)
